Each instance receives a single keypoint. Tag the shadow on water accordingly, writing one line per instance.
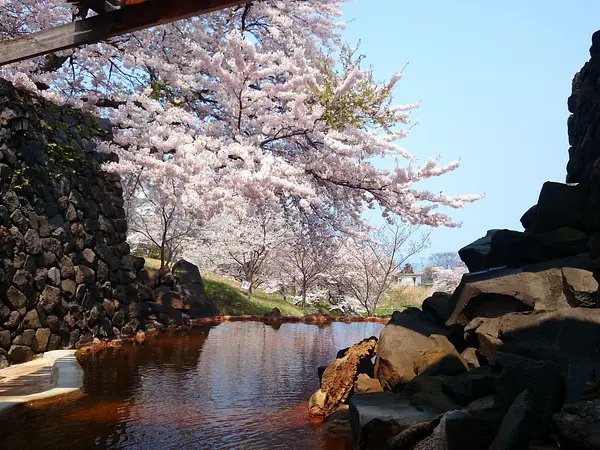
(234, 385)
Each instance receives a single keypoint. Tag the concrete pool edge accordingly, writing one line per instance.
(67, 378)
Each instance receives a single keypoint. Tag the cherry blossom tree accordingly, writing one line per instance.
(447, 280)
(157, 216)
(244, 244)
(366, 269)
(258, 103)
(308, 257)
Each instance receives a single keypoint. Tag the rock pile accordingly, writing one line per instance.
(67, 275)
(511, 360)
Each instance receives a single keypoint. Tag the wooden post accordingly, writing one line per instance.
(107, 25)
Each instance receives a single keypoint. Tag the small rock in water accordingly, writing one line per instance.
(140, 336)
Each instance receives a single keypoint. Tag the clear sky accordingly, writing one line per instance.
(493, 80)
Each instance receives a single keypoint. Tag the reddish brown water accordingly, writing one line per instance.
(240, 385)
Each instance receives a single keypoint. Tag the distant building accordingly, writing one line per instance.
(409, 279)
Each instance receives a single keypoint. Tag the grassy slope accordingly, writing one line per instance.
(231, 300)
(400, 298)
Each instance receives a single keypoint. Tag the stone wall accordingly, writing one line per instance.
(66, 272)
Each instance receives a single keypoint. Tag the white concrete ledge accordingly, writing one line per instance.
(66, 378)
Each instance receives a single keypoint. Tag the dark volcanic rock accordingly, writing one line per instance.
(547, 286)
(438, 307)
(33, 243)
(578, 425)
(40, 341)
(385, 406)
(16, 299)
(472, 385)
(191, 289)
(541, 379)
(476, 255)
(20, 354)
(515, 430)
(32, 320)
(50, 298)
(560, 205)
(84, 274)
(510, 248)
(555, 336)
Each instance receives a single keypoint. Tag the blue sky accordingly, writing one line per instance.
(493, 80)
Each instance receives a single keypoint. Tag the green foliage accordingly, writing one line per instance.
(62, 159)
(162, 92)
(21, 178)
(96, 131)
(365, 106)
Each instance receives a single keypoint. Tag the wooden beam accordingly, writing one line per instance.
(107, 25)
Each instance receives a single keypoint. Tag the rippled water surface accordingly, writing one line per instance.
(233, 385)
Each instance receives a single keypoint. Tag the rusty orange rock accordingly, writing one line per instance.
(338, 379)
(140, 336)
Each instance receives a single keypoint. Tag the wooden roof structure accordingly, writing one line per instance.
(114, 17)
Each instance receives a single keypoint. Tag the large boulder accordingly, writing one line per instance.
(500, 248)
(438, 307)
(552, 285)
(389, 434)
(186, 273)
(413, 344)
(581, 381)
(578, 426)
(515, 430)
(190, 287)
(338, 379)
(385, 406)
(470, 386)
(541, 379)
(460, 430)
(427, 392)
(476, 255)
(559, 205)
(275, 312)
(565, 336)
(168, 298)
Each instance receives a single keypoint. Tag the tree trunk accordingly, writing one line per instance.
(162, 255)
(304, 294)
(163, 244)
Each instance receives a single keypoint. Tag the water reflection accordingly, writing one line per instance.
(234, 385)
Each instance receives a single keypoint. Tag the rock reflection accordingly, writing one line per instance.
(239, 384)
